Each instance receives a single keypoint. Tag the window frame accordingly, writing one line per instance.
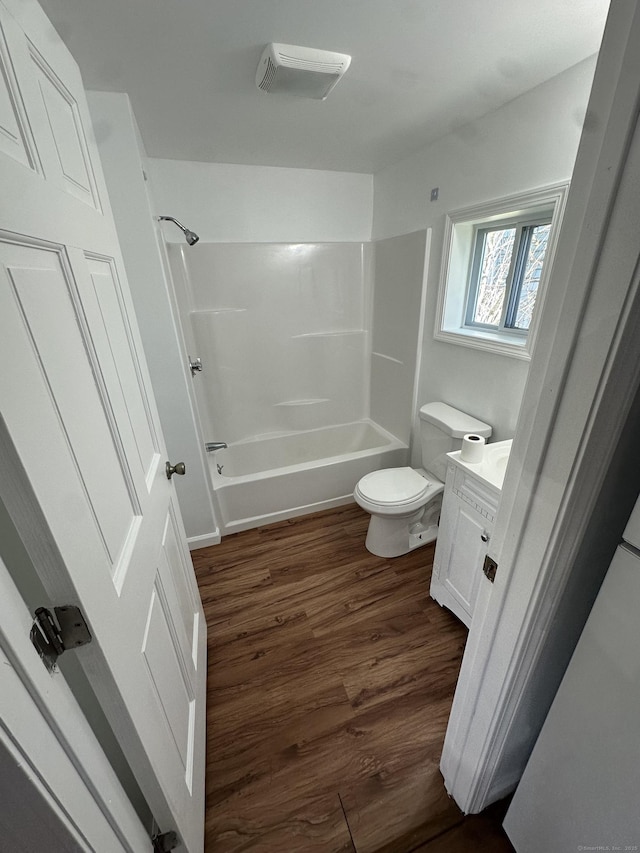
(455, 291)
(515, 277)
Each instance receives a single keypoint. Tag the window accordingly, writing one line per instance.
(495, 264)
(505, 274)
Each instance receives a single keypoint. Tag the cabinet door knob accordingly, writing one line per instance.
(484, 536)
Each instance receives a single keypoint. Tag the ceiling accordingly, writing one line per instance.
(419, 69)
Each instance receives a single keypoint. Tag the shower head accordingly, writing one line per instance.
(190, 236)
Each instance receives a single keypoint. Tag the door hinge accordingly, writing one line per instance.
(164, 842)
(490, 567)
(53, 636)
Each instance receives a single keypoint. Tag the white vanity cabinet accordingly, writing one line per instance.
(466, 522)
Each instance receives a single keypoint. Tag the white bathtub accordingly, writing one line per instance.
(277, 477)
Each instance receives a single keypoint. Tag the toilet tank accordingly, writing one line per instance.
(441, 430)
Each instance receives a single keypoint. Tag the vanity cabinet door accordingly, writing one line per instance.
(460, 550)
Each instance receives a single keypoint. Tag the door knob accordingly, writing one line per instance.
(178, 468)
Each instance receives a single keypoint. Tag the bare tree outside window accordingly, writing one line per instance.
(494, 271)
(532, 273)
(506, 275)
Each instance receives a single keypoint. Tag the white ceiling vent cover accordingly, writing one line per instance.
(302, 71)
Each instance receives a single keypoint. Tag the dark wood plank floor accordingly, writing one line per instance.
(331, 676)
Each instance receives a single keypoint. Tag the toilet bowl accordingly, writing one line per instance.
(405, 503)
(399, 500)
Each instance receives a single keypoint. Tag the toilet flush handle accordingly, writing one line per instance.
(484, 536)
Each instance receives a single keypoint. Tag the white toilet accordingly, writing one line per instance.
(405, 502)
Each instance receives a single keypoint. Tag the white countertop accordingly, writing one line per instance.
(493, 465)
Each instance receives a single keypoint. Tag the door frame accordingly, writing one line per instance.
(570, 429)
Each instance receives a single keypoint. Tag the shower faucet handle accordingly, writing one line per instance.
(195, 365)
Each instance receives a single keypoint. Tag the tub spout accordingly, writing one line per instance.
(210, 446)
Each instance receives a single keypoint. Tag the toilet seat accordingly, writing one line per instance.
(411, 489)
(393, 486)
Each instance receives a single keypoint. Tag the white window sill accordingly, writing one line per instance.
(514, 346)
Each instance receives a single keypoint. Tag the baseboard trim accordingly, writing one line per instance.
(195, 542)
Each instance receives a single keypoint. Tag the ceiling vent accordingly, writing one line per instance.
(302, 71)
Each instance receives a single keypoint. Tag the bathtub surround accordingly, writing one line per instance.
(399, 268)
(282, 332)
(320, 323)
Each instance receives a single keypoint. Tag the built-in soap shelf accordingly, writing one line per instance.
(333, 334)
(214, 311)
(309, 402)
(387, 357)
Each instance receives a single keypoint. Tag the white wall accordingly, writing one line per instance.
(118, 142)
(528, 143)
(226, 203)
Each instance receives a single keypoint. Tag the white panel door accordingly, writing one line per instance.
(57, 791)
(83, 459)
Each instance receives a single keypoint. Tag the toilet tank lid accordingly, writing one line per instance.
(453, 421)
